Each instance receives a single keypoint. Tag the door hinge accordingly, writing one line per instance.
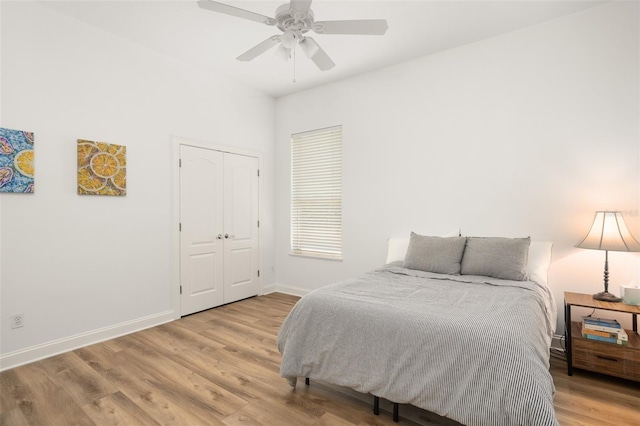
(258, 272)
(180, 289)
(258, 172)
(180, 162)
(258, 224)
(180, 227)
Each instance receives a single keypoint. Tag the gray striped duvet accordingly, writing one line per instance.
(473, 349)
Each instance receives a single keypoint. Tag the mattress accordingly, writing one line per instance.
(470, 348)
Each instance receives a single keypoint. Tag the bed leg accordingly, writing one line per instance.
(376, 405)
(395, 411)
(306, 381)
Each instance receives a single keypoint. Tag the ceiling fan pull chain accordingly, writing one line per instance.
(293, 52)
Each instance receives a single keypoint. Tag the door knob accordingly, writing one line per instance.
(229, 236)
(226, 235)
(219, 236)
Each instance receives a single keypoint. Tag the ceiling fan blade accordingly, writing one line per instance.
(301, 5)
(235, 11)
(309, 47)
(319, 56)
(362, 26)
(259, 49)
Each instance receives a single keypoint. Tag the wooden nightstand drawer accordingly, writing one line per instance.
(607, 358)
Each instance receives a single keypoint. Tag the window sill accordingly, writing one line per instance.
(317, 256)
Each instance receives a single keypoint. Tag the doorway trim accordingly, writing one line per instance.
(176, 141)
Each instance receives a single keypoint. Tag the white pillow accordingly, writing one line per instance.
(539, 261)
(397, 246)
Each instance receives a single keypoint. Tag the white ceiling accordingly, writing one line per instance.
(211, 40)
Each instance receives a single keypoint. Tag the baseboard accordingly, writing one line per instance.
(269, 289)
(46, 350)
(278, 288)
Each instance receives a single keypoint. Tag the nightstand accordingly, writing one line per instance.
(601, 357)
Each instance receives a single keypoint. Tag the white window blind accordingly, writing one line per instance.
(316, 193)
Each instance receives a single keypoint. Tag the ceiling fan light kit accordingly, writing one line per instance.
(290, 39)
(295, 19)
(283, 53)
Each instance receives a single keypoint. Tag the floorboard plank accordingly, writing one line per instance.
(13, 417)
(117, 409)
(45, 403)
(160, 399)
(81, 382)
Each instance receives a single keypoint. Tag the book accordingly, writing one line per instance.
(605, 339)
(601, 322)
(617, 334)
(601, 328)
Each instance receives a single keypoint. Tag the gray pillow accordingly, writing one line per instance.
(434, 254)
(504, 258)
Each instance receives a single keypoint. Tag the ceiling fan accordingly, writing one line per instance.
(296, 19)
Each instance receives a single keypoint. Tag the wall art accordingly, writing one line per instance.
(102, 168)
(16, 161)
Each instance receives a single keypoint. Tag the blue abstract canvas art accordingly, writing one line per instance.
(16, 161)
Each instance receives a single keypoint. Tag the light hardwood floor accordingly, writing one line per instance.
(220, 367)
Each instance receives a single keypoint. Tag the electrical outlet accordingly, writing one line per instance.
(17, 321)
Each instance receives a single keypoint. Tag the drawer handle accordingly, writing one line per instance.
(606, 358)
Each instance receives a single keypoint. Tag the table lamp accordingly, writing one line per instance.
(608, 232)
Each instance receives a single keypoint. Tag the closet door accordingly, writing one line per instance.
(201, 222)
(241, 227)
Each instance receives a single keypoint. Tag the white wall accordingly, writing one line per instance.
(86, 267)
(1, 316)
(524, 134)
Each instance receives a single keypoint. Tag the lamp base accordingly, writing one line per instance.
(605, 296)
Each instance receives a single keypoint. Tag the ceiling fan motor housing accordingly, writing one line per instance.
(288, 18)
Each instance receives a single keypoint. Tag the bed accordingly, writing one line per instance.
(470, 347)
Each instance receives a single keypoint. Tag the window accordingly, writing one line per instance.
(316, 193)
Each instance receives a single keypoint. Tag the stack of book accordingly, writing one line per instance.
(604, 330)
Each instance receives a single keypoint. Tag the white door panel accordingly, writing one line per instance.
(203, 277)
(201, 219)
(241, 224)
(240, 274)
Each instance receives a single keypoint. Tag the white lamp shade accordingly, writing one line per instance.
(283, 53)
(289, 39)
(609, 232)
